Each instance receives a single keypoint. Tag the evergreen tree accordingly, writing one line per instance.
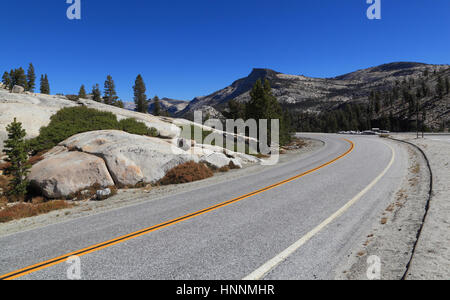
(157, 106)
(12, 77)
(96, 93)
(31, 78)
(440, 87)
(140, 99)
(82, 92)
(18, 77)
(110, 95)
(263, 105)
(236, 110)
(377, 102)
(447, 85)
(119, 103)
(45, 86)
(6, 80)
(15, 150)
(42, 85)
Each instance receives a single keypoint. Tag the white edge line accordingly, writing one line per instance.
(271, 264)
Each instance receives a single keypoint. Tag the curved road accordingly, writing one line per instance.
(300, 229)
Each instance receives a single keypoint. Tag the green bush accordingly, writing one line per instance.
(73, 120)
(135, 127)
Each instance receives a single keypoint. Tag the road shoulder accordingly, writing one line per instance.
(394, 234)
(431, 260)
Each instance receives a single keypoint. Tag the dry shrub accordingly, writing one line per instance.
(4, 182)
(224, 169)
(188, 172)
(3, 201)
(37, 200)
(232, 166)
(36, 158)
(3, 166)
(26, 210)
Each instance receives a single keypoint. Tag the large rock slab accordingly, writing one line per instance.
(66, 173)
(131, 159)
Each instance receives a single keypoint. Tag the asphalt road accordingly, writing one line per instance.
(232, 241)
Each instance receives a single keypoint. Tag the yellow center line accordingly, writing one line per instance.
(97, 247)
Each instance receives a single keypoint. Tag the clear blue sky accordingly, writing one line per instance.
(191, 48)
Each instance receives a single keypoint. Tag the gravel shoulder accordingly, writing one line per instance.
(394, 234)
(431, 260)
(128, 197)
(394, 238)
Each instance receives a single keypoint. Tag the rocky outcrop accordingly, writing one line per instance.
(131, 159)
(112, 157)
(66, 173)
(35, 110)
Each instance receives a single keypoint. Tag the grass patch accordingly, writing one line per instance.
(26, 210)
(188, 172)
(74, 120)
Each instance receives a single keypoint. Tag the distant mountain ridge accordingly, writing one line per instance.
(172, 106)
(315, 94)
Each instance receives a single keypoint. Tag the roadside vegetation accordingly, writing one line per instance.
(17, 199)
(74, 120)
(188, 172)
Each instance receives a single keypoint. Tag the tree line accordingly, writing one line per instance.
(110, 95)
(26, 80)
(262, 105)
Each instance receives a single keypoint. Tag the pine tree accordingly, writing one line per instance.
(15, 150)
(440, 87)
(447, 85)
(157, 106)
(12, 77)
(263, 105)
(18, 77)
(42, 85)
(236, 110)
(110, 95)
(96, 94)
(119, 103)
(31, 78)
(140, 99)
(6, 80)
(82, 92)
(45, 86)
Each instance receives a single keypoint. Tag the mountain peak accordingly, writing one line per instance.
(260, 73)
